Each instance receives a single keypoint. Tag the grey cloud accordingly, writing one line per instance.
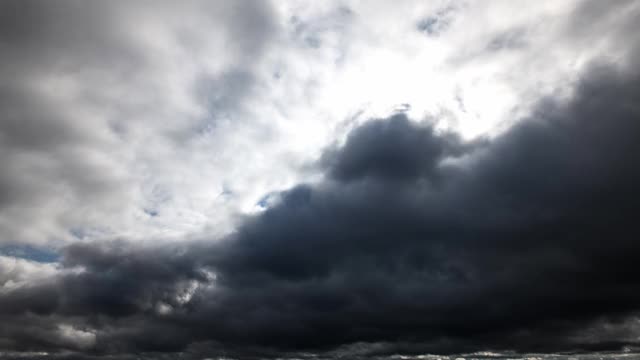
(414, 241)
(225, 93)
(509, 40)
(402, 150)
(83, 89)
(526, 240)
(65, 34)
(615, 28)
(437, 23)
(312, 32)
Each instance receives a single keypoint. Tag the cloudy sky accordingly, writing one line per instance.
(319, 179)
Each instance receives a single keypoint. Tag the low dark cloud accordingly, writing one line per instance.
(415, 239)
(519, 243)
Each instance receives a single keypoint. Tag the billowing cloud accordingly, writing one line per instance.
(261, 180)
(517, 243)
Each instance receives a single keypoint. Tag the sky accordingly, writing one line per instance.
(319, 180)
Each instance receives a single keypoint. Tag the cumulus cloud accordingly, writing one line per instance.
(530, 233)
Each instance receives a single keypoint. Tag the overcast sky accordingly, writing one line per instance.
(334, 179)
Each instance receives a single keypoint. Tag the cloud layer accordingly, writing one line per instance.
(413, 237)
(189, 180)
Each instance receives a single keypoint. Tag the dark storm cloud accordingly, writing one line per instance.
(523, 241)
(401, 151)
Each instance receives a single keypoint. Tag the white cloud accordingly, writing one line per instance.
(15, 273)
(82, 339)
